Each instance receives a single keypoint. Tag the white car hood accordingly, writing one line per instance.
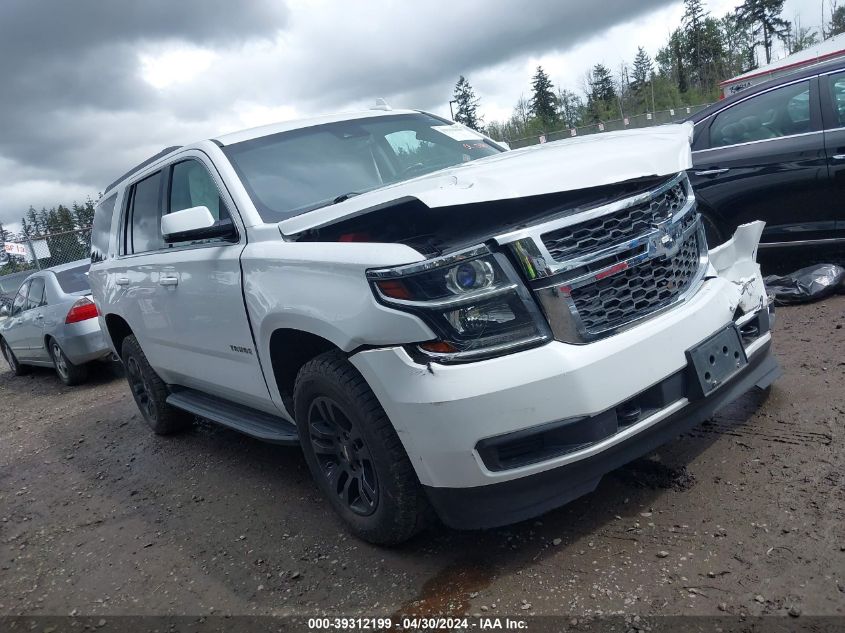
(577, 163)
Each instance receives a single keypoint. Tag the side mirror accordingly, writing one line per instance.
(195, 223)
(4, 310)
(503, 144)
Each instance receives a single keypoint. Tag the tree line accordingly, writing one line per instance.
(700, 53)
(63, 229)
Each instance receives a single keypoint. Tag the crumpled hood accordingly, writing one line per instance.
(577, 163)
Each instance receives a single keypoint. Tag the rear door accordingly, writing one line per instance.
(764, 158)
(833, 113)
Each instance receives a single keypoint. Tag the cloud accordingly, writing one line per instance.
(92, 87)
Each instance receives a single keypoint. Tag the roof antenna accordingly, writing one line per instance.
(381, 104)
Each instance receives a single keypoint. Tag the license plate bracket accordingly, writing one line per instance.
(714, 361)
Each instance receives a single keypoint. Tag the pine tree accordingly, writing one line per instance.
(601, 93)
(763, 17)
(693, 22)
(601, 84)
(34, 226)
(43, 221)
(543, 103)
(837, 22)
(467, 102)
(643, 68)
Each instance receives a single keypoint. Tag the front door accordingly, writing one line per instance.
(14, 332)
(833, 111)
(189, 295)
(764, 159)
(32, 326)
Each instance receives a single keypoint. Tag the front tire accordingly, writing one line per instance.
(150, 392)
(354, 454)
(14, 364)
(67, 372)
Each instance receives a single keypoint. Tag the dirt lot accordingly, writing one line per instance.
(744, 515)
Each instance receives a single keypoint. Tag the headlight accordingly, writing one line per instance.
(473, 301)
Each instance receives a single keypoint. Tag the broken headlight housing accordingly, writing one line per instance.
(473, 300)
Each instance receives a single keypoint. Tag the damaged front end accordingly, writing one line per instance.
(593, 274)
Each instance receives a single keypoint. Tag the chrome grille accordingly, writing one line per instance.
(639, 290)
(619, 264)
(616, 227)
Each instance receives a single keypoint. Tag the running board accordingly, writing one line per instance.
(252, 422)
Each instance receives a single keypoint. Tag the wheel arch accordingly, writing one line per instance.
(117, 329)
(290, 349)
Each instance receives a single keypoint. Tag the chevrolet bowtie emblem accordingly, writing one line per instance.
(667, 240)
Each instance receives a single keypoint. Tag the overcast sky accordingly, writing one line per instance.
(92, 87)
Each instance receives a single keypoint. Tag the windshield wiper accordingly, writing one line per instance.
(345, 196)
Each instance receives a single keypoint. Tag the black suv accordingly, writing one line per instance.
(775, 152)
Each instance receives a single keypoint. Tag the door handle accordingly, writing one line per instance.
(839, 157)
(712, 172)
(168, 281)
(39, 316)
(122, 281)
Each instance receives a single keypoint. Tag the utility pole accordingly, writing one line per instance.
(450, 108)
(651, 81)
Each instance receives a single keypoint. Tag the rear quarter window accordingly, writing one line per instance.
(101, 231)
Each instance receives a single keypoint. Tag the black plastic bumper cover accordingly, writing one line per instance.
(528, 497)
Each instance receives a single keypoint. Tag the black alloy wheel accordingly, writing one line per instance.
(140, 389)
(150, 392)
(343, 456)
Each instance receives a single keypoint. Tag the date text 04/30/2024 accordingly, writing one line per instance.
(418, 624)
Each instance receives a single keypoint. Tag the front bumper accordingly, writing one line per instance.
(520, 499)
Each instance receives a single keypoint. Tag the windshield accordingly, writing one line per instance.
(293, 172)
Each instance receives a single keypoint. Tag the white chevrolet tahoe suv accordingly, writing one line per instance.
(445, 327)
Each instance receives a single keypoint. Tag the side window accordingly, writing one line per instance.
(35, 296)
(837, 93)
(781, 112)
(19, 304)
(192, 186)
(101, 231)
(144, 233)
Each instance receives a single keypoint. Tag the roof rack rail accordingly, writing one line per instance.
(140, 166)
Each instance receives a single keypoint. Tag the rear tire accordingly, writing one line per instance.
(14, 364)
(150, 392)
(354, 454)
(67, 372)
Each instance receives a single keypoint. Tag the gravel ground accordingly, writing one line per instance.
(746, 514)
